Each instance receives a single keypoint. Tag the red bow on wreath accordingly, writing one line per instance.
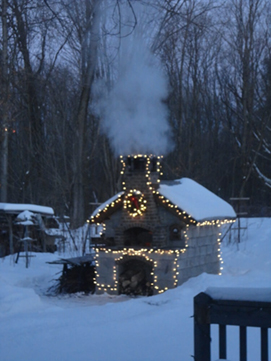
(134, 200)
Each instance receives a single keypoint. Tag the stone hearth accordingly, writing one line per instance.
(160, 269)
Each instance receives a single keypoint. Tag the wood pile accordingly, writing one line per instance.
(135, 280)
(77, 279)
(77, 276)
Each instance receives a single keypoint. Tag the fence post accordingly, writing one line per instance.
(222, 342)
(233, 311)
(202, 336)
(243, 343)
(264, 344)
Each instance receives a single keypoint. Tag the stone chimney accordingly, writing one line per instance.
(140, 217)
(140, 172)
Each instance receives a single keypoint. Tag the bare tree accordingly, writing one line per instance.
(4, 106)
(84, 42)
(187, 43)
(246, 37)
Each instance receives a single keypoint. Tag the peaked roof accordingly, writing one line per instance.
(196, 200)
(106, 204)
(186, 195)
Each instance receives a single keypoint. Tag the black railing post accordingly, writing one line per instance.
(202, 336)
(222, 342)
(243, 343)
(264, 344)
(214, 308)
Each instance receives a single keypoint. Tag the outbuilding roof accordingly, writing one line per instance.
(16, 208)
(196, 200)
(105, 204)
(188, 196)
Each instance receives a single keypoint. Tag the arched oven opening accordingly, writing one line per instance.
(138, 237)
(135, 276)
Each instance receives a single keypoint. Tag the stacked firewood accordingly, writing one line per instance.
(75, 279)
(134, 282)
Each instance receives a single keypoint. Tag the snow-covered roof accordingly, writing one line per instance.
(105, 204)
(196, 200)
(189, 196)
(18, 208)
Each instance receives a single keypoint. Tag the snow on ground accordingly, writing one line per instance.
(38, 327)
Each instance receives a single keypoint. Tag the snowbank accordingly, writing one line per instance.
(36, 327)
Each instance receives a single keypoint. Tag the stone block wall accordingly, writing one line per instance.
(149, 220)
(108, 271)
(202, 254)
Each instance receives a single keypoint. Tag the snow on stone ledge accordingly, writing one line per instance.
(196, 200)
(240, 294)
(18, 208)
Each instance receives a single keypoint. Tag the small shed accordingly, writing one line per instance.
(19, 221)
(173, 228)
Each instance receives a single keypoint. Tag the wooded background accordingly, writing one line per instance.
(217, 59)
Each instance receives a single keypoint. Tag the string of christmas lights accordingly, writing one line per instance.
(134, 211)
(147, 254)
(135, 203)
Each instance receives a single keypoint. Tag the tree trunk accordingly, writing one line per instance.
(36, 139)
(89, 60)
(5, 87)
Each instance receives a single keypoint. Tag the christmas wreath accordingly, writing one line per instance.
(135, 203)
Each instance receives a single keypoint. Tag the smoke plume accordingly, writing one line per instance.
(133, 114)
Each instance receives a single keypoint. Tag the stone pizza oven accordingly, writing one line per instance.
(156, 235)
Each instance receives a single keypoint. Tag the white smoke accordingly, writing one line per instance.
(133, 114)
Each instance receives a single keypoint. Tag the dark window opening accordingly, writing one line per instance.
(175, 232)
(136, 164)
(139, 164)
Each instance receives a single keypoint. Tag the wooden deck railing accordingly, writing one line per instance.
(222, 311)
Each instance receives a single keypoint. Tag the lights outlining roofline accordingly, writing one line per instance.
(101, 211)
(187, 218)
(184, 216)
